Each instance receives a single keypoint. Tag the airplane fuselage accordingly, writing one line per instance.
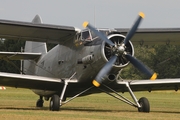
(85, 58)
(62, 62)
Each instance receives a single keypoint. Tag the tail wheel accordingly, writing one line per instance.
(39, 103)
(145, 106)
(54, 103)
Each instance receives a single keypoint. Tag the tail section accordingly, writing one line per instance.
(33, 47)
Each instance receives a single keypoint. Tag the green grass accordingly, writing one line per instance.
(18, 104)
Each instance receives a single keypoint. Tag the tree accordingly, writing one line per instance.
(10, 46)
(163, 59)
(13, 46)
(166, 61)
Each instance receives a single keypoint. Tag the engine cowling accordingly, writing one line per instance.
(108, 50)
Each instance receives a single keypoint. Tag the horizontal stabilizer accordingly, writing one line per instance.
(19, 56)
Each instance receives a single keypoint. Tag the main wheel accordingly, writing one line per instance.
(54, 103)
(144, 103)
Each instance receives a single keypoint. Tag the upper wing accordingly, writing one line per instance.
(149, 85)
(36, 32)
(152, 36)
(32, 82)
(19, 56)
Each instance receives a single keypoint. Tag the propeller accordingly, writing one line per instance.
(142, 68)
(134, 28)
(86, 24)
(104, 71)
(119, 50)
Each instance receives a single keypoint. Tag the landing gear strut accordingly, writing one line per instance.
(56, 100)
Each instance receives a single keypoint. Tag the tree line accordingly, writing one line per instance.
(162, 59)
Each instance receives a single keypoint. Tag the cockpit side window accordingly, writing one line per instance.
(85, 36)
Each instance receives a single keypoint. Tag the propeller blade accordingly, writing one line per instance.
(134, 28)
(102, 36)
(104, 71)
(142, 68)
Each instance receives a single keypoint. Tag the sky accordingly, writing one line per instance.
(100, 13)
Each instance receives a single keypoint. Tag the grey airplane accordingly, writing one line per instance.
(83, 62)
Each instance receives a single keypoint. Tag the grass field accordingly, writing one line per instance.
(16, 104)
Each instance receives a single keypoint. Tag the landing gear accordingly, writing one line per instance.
(56, 100)
(144, 103)
(40, 102)
(54, 103)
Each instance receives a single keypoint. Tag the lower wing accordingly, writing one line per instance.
(32, 82)
(148, 85)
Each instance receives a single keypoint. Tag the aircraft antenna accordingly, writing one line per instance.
(94, 16)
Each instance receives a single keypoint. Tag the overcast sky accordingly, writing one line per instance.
(102, 13)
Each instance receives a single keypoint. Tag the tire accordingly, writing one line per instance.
(54, 103)
(39, 103)
(145, 106)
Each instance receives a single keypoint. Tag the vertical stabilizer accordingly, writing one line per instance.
(37, 20)
(33, 47)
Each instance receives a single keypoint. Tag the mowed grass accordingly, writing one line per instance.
(16, 104)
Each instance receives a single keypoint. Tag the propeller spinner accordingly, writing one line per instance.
(119, 50)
